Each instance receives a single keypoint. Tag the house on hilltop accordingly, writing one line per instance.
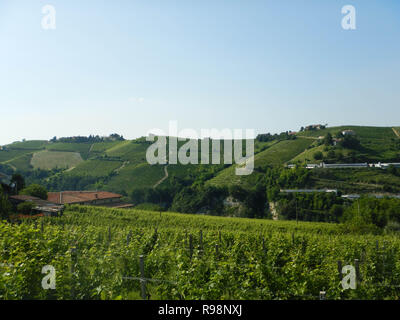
(315, 127)
(93, 198)
(348, 133)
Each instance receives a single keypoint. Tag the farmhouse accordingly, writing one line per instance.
(40, 206)
(348, 133)
(315, 127)
(94, 198)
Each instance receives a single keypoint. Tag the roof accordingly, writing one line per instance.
(69, 197)
(23, 197)
(39, 203)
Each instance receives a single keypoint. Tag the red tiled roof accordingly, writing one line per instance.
(67, 197)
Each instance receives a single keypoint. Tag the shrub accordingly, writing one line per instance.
(25, 208)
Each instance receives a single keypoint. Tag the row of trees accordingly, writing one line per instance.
(265, 137)
(89, 139)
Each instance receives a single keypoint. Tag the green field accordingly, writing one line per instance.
(29, 145)
(236, 258)
(277, 154)
(82, 148)
(135, 176)
(95, 168)
(53, 159)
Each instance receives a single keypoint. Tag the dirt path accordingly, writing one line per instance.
(91, 147)
(121, 167)
(163, 179)
(396, 133)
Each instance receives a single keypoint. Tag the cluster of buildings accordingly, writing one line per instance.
(347, 165)
(56, 201)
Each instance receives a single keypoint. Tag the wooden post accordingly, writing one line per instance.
(292, 237)
(263, 244)
(109, 234)
(357, 267)
(142, 278)
(377, 245)
(191, 245)
(220, 237)
(72, 271)
(339, 263)
(201, 240)
(217, 251)
(128, 238)
(322, 295)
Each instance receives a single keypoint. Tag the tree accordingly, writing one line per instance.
(25, 208)
(350, 142)
(19, 182)
(318, 155)
(35, 190)
(328, 141)
(5, 206)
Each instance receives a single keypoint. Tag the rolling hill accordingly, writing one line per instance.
(121, 166)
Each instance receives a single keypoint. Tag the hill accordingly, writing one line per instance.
(121, 165)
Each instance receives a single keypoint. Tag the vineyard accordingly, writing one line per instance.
(100, 253)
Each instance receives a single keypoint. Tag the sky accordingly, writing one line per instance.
(130, 66)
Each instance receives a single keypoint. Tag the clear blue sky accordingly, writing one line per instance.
(130, 66)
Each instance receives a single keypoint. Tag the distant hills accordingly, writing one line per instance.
(120, 165)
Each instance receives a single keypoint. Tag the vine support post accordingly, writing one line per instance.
(357, 267)
(142, 278)
(339, 263)
(201, 240)
(190, 245)
(263, 244)
(217, 251)
(72, 271)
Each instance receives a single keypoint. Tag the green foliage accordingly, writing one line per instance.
(19, 181)
(318, 155)
(286, 267)
(5, 206)
(372, 211)
(35, 190)
(25, 208)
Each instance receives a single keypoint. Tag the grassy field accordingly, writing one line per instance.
(29, 145)
(277, 154)
(8, 155)
(82, 148)
(48, 160)
(135, 176)
(95, 168)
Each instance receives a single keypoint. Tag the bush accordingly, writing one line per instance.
(318, 155)
(35, 190)
(25, 208)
